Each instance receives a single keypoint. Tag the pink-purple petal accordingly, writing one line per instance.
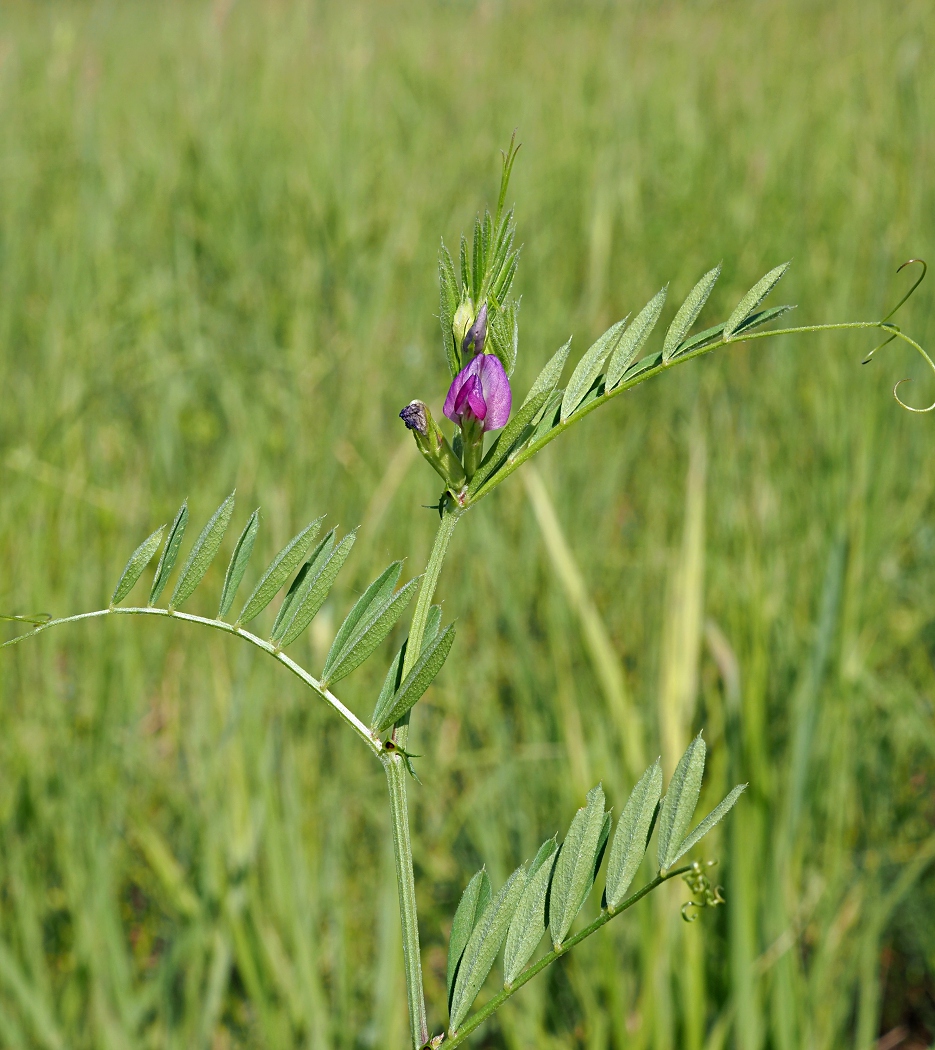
(497, 393)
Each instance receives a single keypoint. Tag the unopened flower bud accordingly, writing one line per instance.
(433, 444)
(476, 335)
(462, 321)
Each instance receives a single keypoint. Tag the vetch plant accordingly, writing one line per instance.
(544, 896)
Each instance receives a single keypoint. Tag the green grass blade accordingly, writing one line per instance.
(574, 869)
(202, 553)
(632, 834)
(238, 563)
(139, 559)
(169, 554)
(280, 569)
(688, 312)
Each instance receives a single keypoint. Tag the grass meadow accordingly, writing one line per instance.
(218, 230)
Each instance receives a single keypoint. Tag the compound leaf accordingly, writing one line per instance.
(589, 367)
(430, 662)
(280, 569)
(634, 338)
(310, 597)
(169, 554)
(753, 298)
(312, 565)
(238, 563)
(471, 907)
(714, 817)
(574, 868)
(688, 312)
(679, 804)
(483, 945)
(202, 553)
(139, 559)
(631, 836)
(528, 923)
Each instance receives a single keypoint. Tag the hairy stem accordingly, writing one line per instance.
(494, 1004)
(396, 782)
(220, 625)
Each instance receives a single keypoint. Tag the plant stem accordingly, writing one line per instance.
(396, 783)
(494, 1004)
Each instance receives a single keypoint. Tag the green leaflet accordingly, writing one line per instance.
(646, 364)
(601, 846)
(394, 675)
(549, 417)
(500, 449)
(238, 563)
(483, 946)
(763, 317)
(503, 335)
(473, 903)
(281, 567)
(373, 627)
(169, 553)
(477, 262)
(528, 923)
(574, 869)
(715, 816)
(312, 565)
(632, 834)
(753, 298)
(202, 553)
(310, 597)
(634, 338)
(688, 312)
(430, 662)
(707, 336)
(449, 297)
(679, 804)
(139, 559)
(548, 378)
(589, 368)
(465, 273)
(376, 594)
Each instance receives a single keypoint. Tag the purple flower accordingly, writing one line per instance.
(482, 390)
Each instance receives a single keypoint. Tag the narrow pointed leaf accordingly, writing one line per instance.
(430, 662)
(753, 298)
(169, 554)
(678, 806)
(589, 368)
(550, 416)
(238, 563)
(548, 378)
(483, 945)
(503, 335)
(477, 261)
(313, 564)
(646, 364)
(375, 594)
(601, 847)
(574, 869)
(311, 596)
(465, 271)
(471, 907)
(449, 297)
(393, 678)
(714, 817)
(500, 449)
(528, 923)
(370, 632)
(688, 312)
(631, 836)
(139, 559)
(763, 317)
(280, 569)
(634, 338)
(202, 553)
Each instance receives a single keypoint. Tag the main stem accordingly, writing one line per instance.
(396, 783)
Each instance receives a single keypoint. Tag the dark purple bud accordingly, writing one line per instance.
(413, 415)
(480, 391)
(477, 334)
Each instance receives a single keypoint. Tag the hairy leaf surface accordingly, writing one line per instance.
(169, 554)
(139, 559)
(449, 298)
(238, 563)
(589, 368)
(202, 553)
(678, 806)
(312, 565)
(634, 338)
(393, 678)
(714, 817)
(574, 869)
(310, 597)
(528, 923)
(430, 662)
(688, 312)
(471, 907)
(753, 298)
(280, 569)
(631, 836)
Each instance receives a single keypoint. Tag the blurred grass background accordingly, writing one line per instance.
(218, 227)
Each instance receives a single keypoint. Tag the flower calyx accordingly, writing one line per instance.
(434, 446)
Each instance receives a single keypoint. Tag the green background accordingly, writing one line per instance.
(218, 230)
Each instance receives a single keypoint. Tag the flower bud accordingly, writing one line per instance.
(462, 321)
(476, 335)
(433, 444)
